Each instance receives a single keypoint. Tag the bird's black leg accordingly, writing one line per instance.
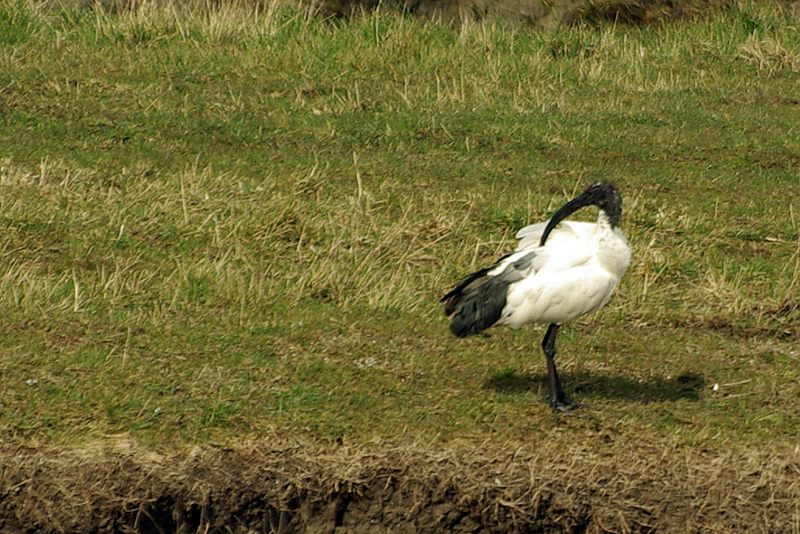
(558, 399)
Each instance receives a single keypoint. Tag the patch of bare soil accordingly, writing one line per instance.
(540, 12)
(605, 483)
(738, 329)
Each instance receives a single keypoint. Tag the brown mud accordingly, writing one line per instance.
(603, 483)
(539, 13)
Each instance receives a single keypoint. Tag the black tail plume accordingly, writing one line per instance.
(477, 301)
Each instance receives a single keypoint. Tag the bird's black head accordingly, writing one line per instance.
(604, 195)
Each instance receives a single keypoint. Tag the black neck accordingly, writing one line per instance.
(604, 195)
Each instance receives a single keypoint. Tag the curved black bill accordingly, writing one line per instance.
(565, 211)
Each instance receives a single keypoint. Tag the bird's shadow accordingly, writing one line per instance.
(583, 383)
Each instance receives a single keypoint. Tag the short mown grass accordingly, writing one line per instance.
(220, 224)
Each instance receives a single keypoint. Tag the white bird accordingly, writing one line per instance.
(560, 270)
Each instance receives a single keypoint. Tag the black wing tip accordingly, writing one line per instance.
(462, 329)
(476, 302)
(478, 309)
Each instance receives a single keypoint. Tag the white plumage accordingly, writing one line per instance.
(573, 274)
(560, 270)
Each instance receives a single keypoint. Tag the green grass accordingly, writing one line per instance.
(219, 225)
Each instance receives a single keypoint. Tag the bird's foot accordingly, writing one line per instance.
(568, 407)
(565, 405)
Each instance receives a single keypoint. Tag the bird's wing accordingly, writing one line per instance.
(566, 281)
(477, 301)
(557, 296)
(530, 235)
(565, 232)
(513, 266)
(567, 246)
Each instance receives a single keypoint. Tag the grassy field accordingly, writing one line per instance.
(218, 227)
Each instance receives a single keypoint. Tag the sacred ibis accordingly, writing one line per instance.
(560, 270)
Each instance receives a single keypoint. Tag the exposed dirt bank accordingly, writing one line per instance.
(543, 13)
(539, 13)
(602, 484)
